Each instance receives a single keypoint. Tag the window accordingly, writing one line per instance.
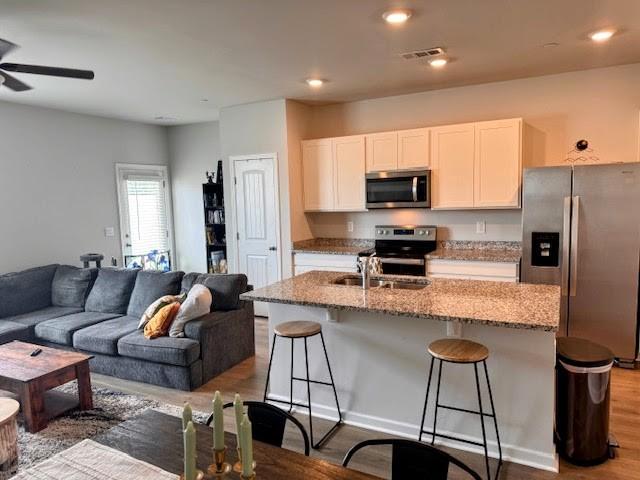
(144, 217)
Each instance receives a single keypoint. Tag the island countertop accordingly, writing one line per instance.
(514, 305)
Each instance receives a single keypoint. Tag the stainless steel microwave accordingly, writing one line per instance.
(408, 189)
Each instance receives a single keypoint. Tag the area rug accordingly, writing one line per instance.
(110, 409)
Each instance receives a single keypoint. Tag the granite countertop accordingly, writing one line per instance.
(335, 246)
(502, 252)
(514, 305)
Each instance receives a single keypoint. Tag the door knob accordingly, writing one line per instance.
(273, 249)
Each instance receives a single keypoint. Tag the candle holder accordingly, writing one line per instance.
(199, 475)
(219, 467)
(237, 467)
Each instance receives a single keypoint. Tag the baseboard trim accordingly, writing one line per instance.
(511, 453)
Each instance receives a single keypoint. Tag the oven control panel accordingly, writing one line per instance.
(406, 232)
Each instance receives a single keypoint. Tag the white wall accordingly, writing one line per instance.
(600, 105)
(57, 182)
(257, 128)
(193, 150)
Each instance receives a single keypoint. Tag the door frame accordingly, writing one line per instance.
(233, 160)
(143, 168)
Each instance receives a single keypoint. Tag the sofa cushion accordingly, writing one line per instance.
(225, 289)
(103, 337)
(188, 280)
(149, 287)
(112, 290)
(26, 291)
(168, 350)
(71, 285)
(61, 330)
(197, 304)
(32, 319)
(10, 331)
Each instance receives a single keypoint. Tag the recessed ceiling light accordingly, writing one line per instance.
(396, 16)
(315, 82)
(602, 35)
(204, 99)
(551, 45)
(438, 62)
(162, 118)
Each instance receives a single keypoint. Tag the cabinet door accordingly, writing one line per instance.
(452, 160)
(348, 167)
(413, 149)
(498, 164)
(382, 151)
(318, 175)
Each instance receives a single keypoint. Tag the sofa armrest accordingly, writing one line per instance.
(226, 338)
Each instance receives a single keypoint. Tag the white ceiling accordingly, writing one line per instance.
(162, 57)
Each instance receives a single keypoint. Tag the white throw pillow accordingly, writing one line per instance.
(197, 304)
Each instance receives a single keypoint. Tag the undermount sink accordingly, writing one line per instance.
(356, 281)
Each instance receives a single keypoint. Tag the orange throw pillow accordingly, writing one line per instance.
(160, 323)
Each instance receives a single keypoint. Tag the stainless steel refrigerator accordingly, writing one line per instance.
(581, 230)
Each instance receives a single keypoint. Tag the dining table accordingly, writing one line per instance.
(156, 438)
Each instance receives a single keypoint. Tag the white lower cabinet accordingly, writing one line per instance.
(467, 270)
(306, 262)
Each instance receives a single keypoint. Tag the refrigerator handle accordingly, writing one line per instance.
(575, 222)
(566, 228)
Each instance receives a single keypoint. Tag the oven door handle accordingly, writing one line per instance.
(403, 261)
(414, 189)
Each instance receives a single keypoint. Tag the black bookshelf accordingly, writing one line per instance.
(214, 224)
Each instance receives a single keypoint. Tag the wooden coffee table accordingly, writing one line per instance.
(31, 378)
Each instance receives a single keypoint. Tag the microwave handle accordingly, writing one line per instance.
(414, 189)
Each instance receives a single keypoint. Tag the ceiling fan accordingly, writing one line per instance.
(16, 85)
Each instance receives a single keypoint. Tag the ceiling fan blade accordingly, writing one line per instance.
(52, 71)
(13, 83)
(6, 46)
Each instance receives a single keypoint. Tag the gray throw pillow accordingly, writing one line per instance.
(149, 287)
(71, 286)
(112, 290)
(225, 289)
(26, 291)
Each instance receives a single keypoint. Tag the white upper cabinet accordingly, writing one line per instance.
(413, 149)
(382, 151)
(452, 159)
(477, 165)
(349, 171)
(498, 164)
(333, 171)
(317, 167)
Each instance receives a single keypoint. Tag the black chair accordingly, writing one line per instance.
(268, 423)
(411, 459)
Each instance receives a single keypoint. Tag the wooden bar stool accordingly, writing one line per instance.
(8, 438)
(455, 350)
(296, 330)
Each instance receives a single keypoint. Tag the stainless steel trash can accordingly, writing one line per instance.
(583, 381)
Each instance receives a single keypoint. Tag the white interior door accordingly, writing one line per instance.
(257, 222)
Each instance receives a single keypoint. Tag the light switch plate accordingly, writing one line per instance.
(349, 226)
(109, 232)
(481, 227)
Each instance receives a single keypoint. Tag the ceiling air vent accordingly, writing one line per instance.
(428, 52)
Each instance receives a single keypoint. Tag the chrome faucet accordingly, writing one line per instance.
(364, 269)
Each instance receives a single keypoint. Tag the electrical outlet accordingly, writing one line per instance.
(109, 232)
(481, 227)
(349, 226)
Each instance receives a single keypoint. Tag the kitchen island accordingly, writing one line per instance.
(377, 338)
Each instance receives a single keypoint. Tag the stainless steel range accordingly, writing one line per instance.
(402, 249)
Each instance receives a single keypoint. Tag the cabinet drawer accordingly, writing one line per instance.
(328, 261)
(473, 270)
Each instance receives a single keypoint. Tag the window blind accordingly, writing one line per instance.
(148, 224)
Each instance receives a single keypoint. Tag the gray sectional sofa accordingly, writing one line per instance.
(97, 312)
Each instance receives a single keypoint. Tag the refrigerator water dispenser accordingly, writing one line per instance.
(545, 249)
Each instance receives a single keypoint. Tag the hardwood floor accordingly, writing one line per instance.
(248, 379)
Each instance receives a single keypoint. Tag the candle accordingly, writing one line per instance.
(239, 411)
(247, 448)
(187, 416)
(190, 452)
(218, 422)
